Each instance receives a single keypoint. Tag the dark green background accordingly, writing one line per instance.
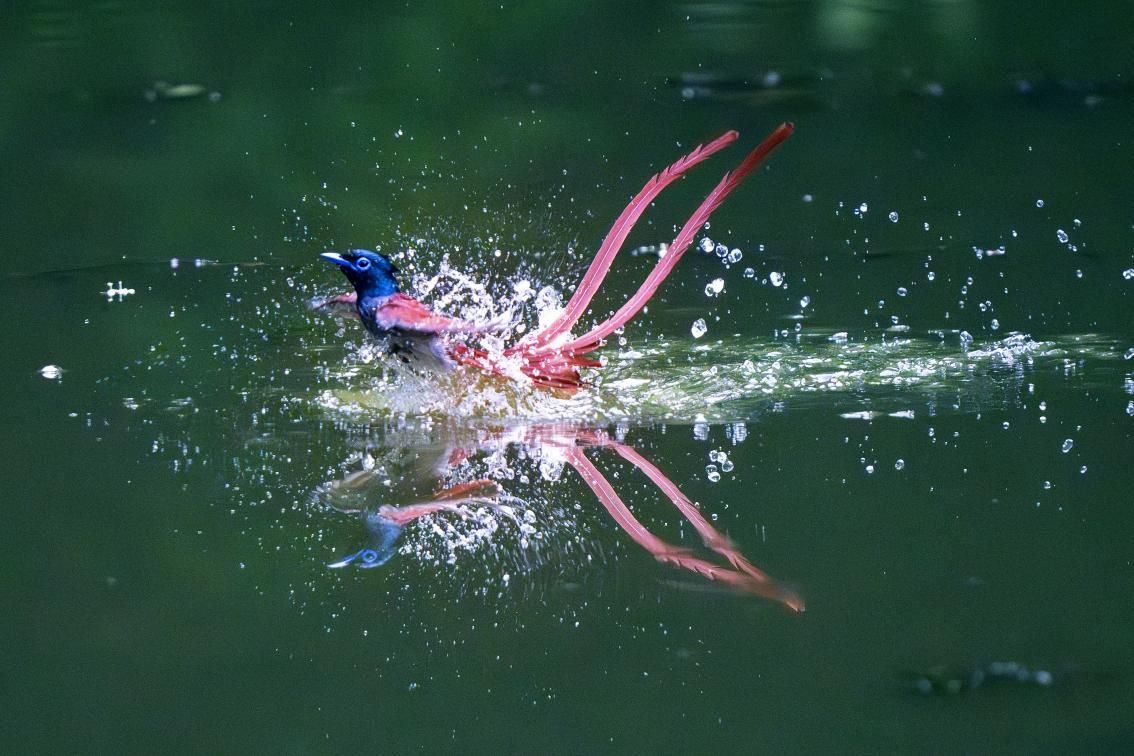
(164, 565)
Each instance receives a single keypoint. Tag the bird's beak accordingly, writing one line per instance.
(336, 258)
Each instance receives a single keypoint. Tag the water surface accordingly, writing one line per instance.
(923, 389)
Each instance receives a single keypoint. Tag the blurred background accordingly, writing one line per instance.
(929, 361)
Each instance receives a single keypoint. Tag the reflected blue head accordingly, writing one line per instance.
(383, 539)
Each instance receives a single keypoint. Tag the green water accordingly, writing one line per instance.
(927, 444)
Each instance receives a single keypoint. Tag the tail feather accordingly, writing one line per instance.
(594, 338)
(551, 364)
(600, 266)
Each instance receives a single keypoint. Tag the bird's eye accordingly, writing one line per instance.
(362, 263)
(369, 556)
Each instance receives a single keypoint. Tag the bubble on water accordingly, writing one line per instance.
(775, 278)
(699, 328)
(1083, 470)
(925, 226)
(863, 208)
(707, 245)
(893, 216)
(966, 340)
(735, 256)
(1039, 203)
(714, 455)
(1128, 354)
(749, 273)
(727, 465)
(1068, 444)
(712, 474)
(1062, 236)
(721, 251)
(899, 464)
(902, 291)
(930, 276)
(1128, 274)
(804, 302)
(994, 325)
(1047, 485)
(714, 288)
(700, 429)
(398, 134)
(870, 469)
(807, 198)
(1130, 407)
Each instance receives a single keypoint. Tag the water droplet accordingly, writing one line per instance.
(902, 291)
(994, 325)
(870, 469)
(751, 273)
(893, 216)
(1039, 203)
(699, 328)
(1068, 444)
(807, 198)
(1128, 274)
(863, 208)
(930, 275)
(900, 464)
(776, 279)
(1083, 470)
(1062, 236)
(804, 302)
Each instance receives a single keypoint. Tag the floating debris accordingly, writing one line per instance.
(941, 680)
(163, 90)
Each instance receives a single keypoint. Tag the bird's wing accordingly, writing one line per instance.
(338, 305)
(404, 313)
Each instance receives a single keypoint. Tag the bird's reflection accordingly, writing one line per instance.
(437, 467)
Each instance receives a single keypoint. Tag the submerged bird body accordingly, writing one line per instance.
(551, 358)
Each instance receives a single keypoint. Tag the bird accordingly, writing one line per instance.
(550, 358)
(413, 332)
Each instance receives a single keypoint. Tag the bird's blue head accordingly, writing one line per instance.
(372, 273)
